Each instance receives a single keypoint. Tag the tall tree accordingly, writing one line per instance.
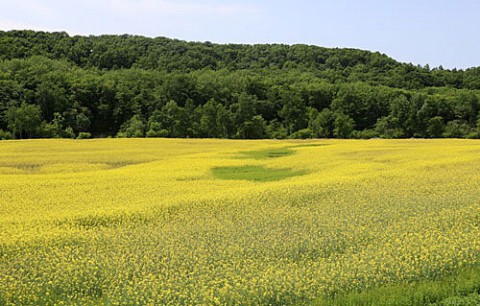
(24, 120)
(343, 126)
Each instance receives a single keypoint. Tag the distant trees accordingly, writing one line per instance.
(343, 126)
(322, 123)
(478, 127)
(134, 127)
(24, 121)
(436, 127)
(53, 85)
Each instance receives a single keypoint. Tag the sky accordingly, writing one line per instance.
(434, 32)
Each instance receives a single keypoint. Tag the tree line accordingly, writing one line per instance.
(54, 85)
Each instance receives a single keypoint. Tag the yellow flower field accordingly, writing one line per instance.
(202, 222)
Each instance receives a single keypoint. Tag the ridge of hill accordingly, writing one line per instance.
(56, 85)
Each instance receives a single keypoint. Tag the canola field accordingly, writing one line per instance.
(231, 222)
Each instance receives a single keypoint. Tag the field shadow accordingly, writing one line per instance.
(266, 154)
(308, 145)
(274, 153)
(67, 167)
(254, 173)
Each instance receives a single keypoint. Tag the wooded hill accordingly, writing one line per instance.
(55, 85)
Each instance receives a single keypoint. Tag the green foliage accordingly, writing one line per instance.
(267, 154)
(365, 134)
(5, 135)
(456, 129)
(84, 135)
(293, 111)
(211, 123)
(460, 288)
(322, 124)
(343, 126)
(436, 127)
(24, 120)
(388, 127)
(476, 133)
(50, 82)
(254, 173)
(469, 300)
(153, 133)
(254, 128)
(132, 128)
(302, 134)
(69, 133)
(55, 129)
(276, 130)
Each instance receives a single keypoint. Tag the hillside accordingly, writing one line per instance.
(55, 85)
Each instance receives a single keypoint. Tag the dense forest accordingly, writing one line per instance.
(56, 85)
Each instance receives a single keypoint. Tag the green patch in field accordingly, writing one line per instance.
(460, 288)
(308, 145)
(65, 167)
(254, 173)
(276, 152)
(123, 163)
(268, 153)
(21, 168)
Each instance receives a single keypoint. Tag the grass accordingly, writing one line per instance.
(469, 300)
(254, 173)
(276, 152)
(308, 145)
(459, 288)
(267, 154)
